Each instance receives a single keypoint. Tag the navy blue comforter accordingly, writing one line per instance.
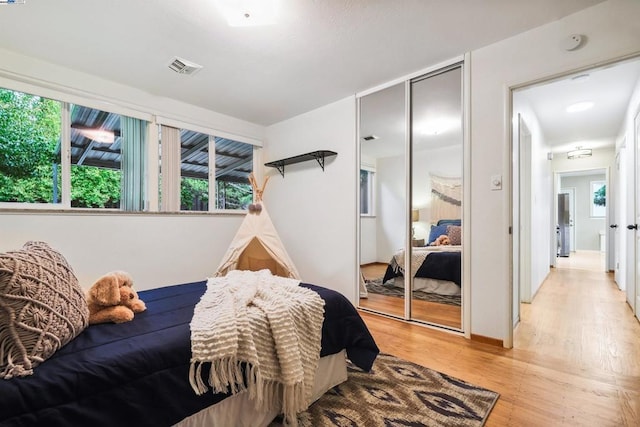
(437, 265)
(136, 373)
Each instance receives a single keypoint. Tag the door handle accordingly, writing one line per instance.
(632, 226)
(613, 226)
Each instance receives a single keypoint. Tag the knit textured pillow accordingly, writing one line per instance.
(42, 307)
(455, 234)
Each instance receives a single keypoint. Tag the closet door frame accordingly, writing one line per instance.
(464, 62)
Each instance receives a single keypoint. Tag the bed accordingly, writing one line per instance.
(136, 373)
(435, 269)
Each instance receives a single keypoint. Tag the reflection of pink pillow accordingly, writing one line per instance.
(455, 234)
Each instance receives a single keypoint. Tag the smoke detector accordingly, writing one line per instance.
(182, 66)
(573, 42)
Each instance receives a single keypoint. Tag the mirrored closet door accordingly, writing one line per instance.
(383, 198)
(436, 198)
(411, 196)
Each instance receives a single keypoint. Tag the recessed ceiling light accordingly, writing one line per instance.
(437, 126)
(579, 106)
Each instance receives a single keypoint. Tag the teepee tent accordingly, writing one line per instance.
(256, 245)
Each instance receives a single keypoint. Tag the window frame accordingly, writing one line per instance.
(371, 193)
(595, 186)
(67, 96)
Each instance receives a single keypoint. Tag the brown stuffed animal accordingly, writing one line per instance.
(442, 240)
(112, 299)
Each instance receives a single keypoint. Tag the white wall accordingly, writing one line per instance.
(315, 211)
(538, 202)
(586, 228)
(156, 249)
(626, 209)
(444, 161)
(391, 205)
(612, 30)
(368, 252)
(391, 200)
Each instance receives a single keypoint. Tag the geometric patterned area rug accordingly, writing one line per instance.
(375, 286)
(400, 393)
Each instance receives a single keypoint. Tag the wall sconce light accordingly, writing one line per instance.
(579, 153)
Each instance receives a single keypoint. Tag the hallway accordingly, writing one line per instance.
(581, 318)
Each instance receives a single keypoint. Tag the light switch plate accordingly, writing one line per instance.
(496, 182)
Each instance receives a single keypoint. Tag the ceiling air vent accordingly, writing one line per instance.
(182, 66)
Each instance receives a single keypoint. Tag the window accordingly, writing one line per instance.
(234, 163)
(598, 199)
(207, 168)
(107, 154)
(30, 138)
(96, 157)
(55, 153)
(107, 159)
(194, 171)
(367, 187)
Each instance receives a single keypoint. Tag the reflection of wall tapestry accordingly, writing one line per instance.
(446, 198)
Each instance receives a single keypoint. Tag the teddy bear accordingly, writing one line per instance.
(441, 240)
(113, 299)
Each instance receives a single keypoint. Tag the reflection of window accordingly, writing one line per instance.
(367, 186)
(598, 198)
(30, 130)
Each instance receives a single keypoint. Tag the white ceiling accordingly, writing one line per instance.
(609, 88)
(317, 53)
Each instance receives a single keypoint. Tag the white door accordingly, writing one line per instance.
(572, 214)
(636, 255)
(617, 224)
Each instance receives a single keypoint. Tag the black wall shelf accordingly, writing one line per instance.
(318, 156)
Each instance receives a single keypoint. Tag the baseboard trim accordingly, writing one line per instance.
(487, 340)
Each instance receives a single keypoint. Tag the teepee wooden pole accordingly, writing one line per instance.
(257, 192)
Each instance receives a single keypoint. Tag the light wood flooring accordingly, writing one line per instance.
(583, 260)
(442, 314)
(575, 361)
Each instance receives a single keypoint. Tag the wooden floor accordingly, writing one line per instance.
(575, 361)
(583, 260)
(441, 314)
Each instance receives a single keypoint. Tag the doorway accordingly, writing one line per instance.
(570, 141)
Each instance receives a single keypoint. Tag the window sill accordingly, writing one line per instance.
(99, 211)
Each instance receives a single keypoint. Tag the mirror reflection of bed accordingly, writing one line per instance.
(436, 271)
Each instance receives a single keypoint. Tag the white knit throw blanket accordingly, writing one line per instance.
(266, 322)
